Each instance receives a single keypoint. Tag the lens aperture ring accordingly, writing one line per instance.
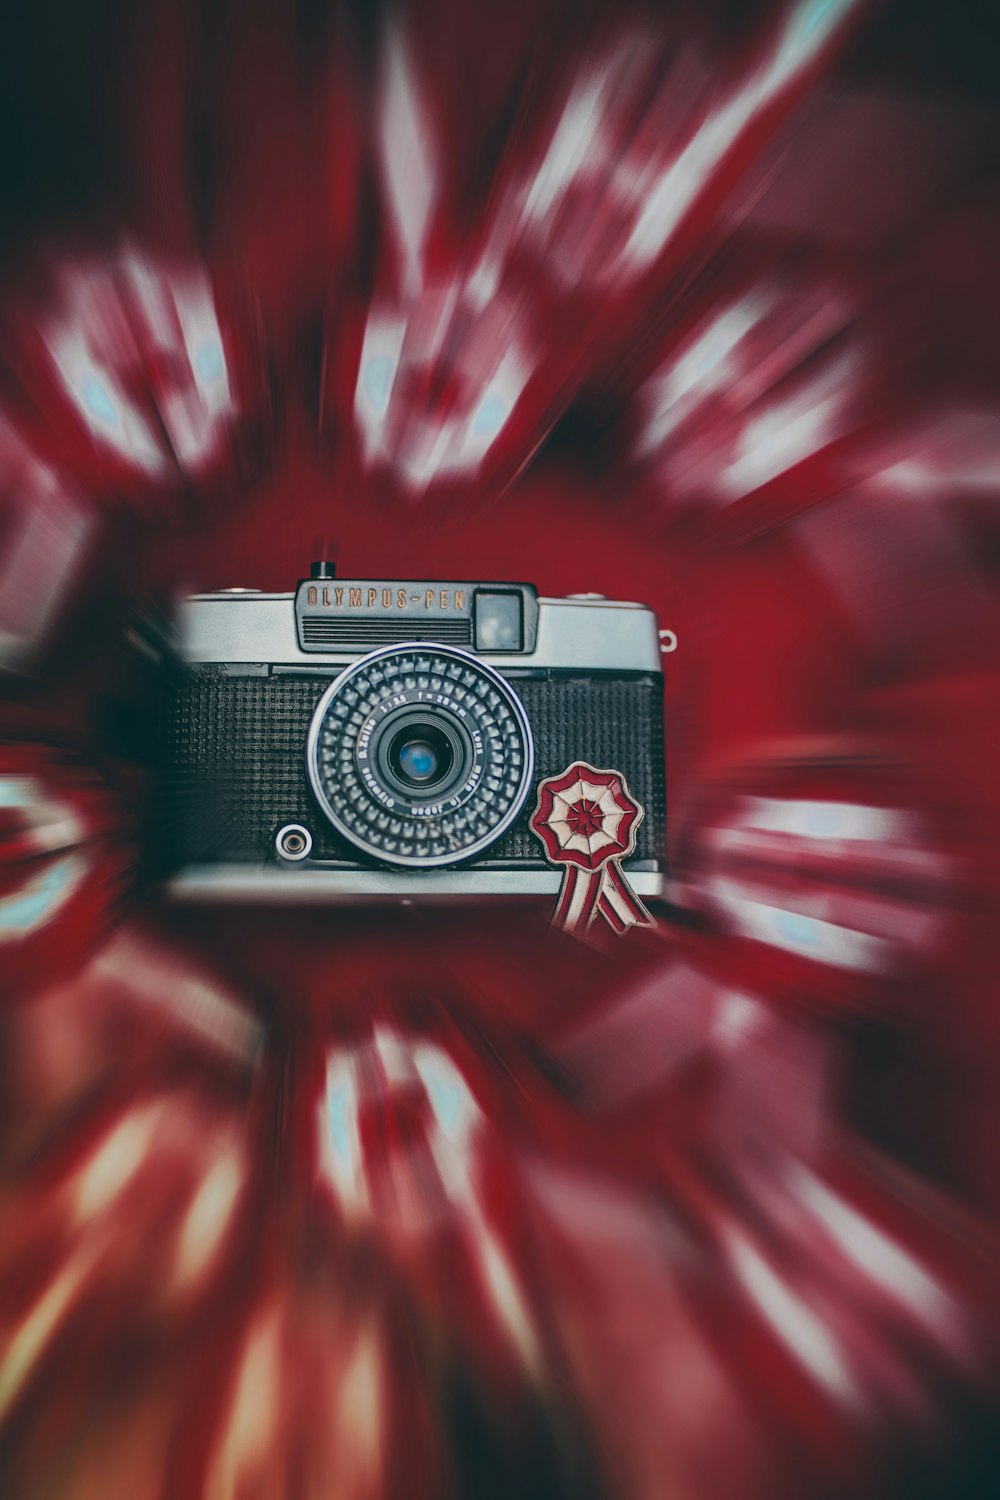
(448, 692)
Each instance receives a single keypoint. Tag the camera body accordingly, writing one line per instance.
(371, 739)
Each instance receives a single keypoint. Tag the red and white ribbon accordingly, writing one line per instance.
(587, 820)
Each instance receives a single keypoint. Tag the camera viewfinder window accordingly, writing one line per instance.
(498, 622)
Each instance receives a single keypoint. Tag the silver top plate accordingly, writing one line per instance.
(599, 635)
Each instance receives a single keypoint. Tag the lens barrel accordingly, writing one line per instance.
(420, 755)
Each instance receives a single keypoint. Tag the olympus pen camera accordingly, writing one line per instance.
(370, 739)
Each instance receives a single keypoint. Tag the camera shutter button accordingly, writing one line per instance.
(586, 596)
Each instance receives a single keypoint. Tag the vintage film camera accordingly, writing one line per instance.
(373, 738)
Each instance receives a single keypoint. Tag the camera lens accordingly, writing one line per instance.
(421, 759)
(420, 755)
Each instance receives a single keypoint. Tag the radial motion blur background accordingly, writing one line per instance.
(692, 303)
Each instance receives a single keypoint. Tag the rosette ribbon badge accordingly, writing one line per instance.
(587, 820)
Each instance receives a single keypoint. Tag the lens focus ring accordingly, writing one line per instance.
(420, 756)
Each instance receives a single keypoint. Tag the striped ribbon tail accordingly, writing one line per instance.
(585, 893)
